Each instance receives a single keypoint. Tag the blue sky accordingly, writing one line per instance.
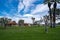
(23, 9)
(12, 5)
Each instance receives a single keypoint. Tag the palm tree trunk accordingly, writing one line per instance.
(54, 12)
(54, 18)
(33, 22)
(50, 18)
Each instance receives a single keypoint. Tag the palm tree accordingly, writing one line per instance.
(50, 14)
(55, 4)
(33, 19)
(54, 12)
(46, 1)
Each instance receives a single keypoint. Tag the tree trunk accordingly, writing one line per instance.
(54, 18)
(33, 22)
(50, 17)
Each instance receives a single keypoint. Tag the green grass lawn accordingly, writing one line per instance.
(29, 33)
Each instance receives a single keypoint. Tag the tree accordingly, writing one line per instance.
(21, 22)
(33, 19)
(40, 21)
(54, 6)
(3, 22)
(46, 23)
(46, 1)
(54, 12)
(49, 5)
(9, 20)
(57, 13)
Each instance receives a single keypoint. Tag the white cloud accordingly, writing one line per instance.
(58, 5)
(28, 15)
(57, 21)
(20, 6)
(27, 20)
(25, 4)
(40, 8)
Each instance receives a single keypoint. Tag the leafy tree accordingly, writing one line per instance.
(9, 20)
(20, 22)
(3, 22)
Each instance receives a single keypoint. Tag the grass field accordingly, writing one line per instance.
(29, 33)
